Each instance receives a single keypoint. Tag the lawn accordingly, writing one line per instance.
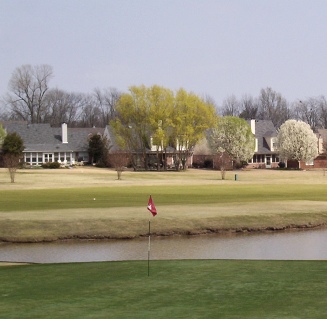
(175, 289)
(92, 203)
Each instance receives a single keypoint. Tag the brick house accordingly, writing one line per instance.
(321, 160)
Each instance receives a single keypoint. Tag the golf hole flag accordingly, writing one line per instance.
(151, 207)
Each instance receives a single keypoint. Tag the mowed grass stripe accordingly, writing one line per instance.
(135, 196)
(175, 289)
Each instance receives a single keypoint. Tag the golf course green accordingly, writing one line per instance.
(91, 203)
(174, 289)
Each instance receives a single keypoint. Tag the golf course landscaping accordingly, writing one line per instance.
(90, 203)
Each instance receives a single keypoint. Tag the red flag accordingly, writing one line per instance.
(151, 207)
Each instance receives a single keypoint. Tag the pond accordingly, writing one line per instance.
(293, 245)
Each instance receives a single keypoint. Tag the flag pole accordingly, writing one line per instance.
(149, 248)
(152, 208)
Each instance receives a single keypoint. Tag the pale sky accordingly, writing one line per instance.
(210, 47)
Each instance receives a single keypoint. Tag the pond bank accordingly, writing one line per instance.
(172, 233)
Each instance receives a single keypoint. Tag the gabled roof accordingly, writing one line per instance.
(44, 138)
(264, 129)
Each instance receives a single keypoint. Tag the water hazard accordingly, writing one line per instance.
(295, 245)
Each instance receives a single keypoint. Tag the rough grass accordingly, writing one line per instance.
(174, 289)
(92, 203)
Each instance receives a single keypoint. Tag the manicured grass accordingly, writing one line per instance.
(91, 203)
(45, 205)
(174, 289)
(136, 196)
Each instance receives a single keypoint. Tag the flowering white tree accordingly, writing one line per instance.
(297, 141)
(232, 136)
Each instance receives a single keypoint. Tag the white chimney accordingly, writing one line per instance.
(253, 127)
(64, 136)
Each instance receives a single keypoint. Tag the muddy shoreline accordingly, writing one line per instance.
(206, 231)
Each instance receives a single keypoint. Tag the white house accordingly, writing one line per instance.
(44, 143)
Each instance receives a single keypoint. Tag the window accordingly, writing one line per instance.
(48, 157)
(27, 158)
(310, 162)
(275, 158)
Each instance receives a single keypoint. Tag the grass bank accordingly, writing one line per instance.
(175, 289)
(93, 204)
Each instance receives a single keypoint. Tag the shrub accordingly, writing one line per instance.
(51, 165)
(241, 164)
(281, 165)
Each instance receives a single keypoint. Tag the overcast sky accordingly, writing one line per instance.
(211, 47)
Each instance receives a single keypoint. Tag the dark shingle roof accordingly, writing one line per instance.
(44, 138)
(263, 130)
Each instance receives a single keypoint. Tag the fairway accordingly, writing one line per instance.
(174, 289)
(90, 203)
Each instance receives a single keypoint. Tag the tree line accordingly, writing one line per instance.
(159, 120)
(271, 105)
(31, 98)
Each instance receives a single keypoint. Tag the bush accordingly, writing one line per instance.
(241, 164)
(281, 165)
(51, 165)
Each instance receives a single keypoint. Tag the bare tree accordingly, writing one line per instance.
(272, 106)
(119, 160)
(106, 101)
(323, 112)
(28, 86)
(63, 107)
(11, 161)
(90, 113)
(230, 107)
(222, 163)
(307, 111)
(248, 107)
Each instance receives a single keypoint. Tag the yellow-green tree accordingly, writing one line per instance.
(132, 128)
(191, 117)
(2, 135)
(161, 107)
(153, 118)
